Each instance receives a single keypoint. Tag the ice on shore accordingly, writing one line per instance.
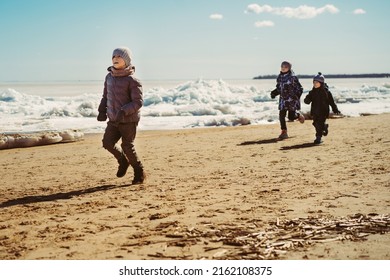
(195, 103)
(17, 140)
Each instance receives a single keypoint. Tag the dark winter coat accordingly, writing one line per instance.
(320, 99)
(123, 92)
(290, 90)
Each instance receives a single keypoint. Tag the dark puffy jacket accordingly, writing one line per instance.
(290, 90)
(122, 92)
(320, 99)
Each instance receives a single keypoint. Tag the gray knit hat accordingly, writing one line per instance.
(319, 78)
(124, 53)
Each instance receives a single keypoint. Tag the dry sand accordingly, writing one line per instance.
(63, 201)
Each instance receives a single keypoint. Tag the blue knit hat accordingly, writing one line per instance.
(319, 78)
(124, 53)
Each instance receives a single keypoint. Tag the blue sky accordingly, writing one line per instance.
(44, 40)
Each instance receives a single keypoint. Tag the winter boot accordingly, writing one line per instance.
(301, 118)
(283, 135)
(318, 140)
(123, 165)
(139, 175)
(326, 131)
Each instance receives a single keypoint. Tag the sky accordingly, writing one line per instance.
(66, 40)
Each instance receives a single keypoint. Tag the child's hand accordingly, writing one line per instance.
(274, 93)
(102, 117)
(337, 112)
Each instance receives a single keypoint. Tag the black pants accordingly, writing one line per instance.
(127, 132)
(292, 115)
(319, 124)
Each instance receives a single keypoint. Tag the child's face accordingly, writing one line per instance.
(316, 84)
(284, 68)
(118, 62)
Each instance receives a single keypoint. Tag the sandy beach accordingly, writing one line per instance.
(207, 192)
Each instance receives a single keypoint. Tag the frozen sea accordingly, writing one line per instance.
(48, 106)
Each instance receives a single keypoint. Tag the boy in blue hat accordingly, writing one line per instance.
(320, 98)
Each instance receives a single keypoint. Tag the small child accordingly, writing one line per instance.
(121, 102)
(320, 98)
(290, 90)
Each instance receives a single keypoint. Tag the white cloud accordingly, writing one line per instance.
(301, 12)
(359, 12)
(264, 23)
(257, 9)
(216, 16)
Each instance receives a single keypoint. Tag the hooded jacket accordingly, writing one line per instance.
(320, 98)
(122, 91)
(290, 90)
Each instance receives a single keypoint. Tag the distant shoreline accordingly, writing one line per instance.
(331, 76)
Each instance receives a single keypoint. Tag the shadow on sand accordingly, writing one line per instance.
(261, 142)
(299, 146)
(52, 197)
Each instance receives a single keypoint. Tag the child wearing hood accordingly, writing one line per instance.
(320, 98)
(290, 90)
(121, 103)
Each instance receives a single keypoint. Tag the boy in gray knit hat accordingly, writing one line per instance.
(121, 103)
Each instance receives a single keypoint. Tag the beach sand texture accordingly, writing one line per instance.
(63, 201)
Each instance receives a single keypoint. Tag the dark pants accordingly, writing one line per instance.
(319, 124)
(292, 115)
(127, 132)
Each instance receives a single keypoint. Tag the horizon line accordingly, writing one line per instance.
(360, 75)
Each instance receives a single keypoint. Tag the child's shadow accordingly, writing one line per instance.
(52, 197)
(299, 146)
(261, 142)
